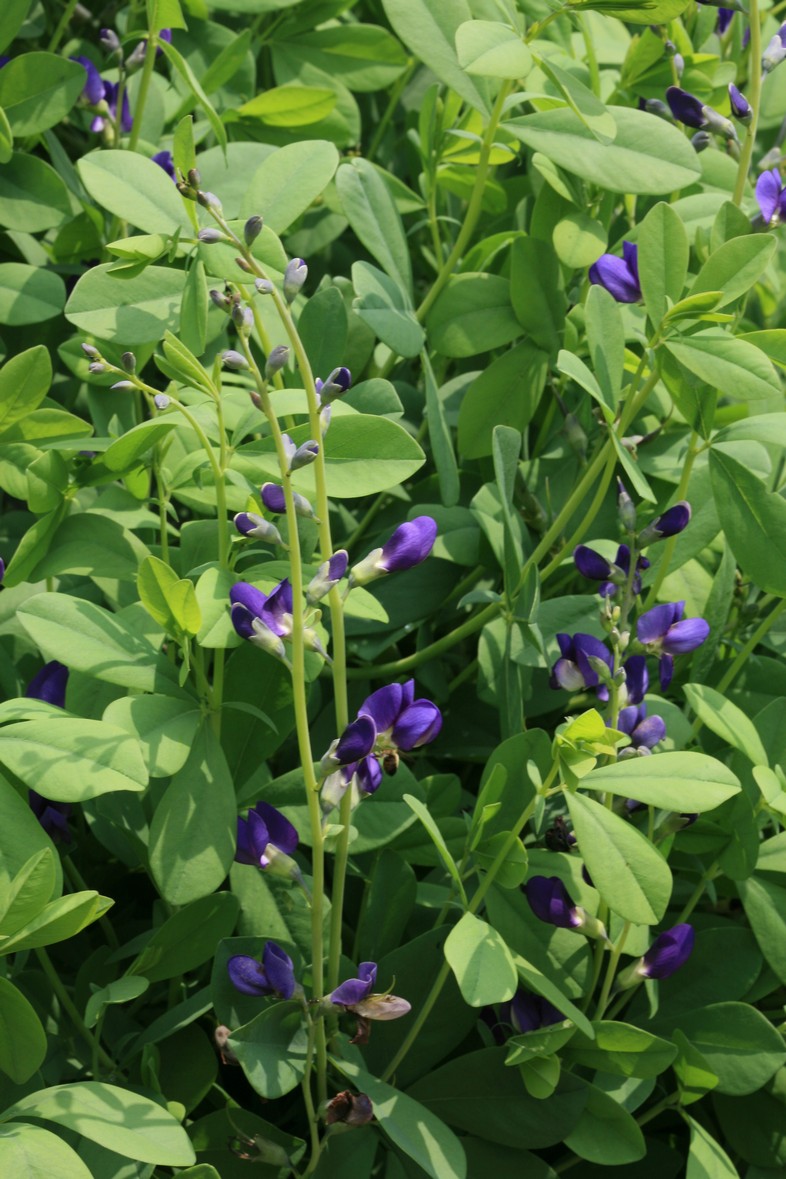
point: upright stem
(668, 547)
(68, 1005)
(62, 25)
(754, 98)
(144, 89)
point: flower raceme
(620, 276)
(274, 975)
(388, 720)
(410, 544)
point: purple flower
(356, 995)
(93, 90)
(771, 196)
(110, 98)
(691, 111)
(300, 456)
(401, 720)
(670, 523)
(364, 776)
(355, 743)
(351, 1109)
(620, 276)
(663, 632)
(776, 50)
(49, 684)
(264, 836)
(668, 952)
(573, 670)
(335, 385)
(594, 567)
(274, 500)
(740, 107)
(165, 161)
(410, 544)
(53, 816)
(329, 574)
(526, 1012)
(249, 524)
(274, 975)
(644, 731)
(550, 901)
(637, 679)
(263, 619)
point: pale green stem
(611, 970)
(144, 89)
(62, 25)
(668, 547)
(68, 1005)
(754, 98)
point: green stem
(444, 970)
(754, 98)
(308, 1101)
(611, 970)
(144, 89)
(473, 208)
(68, 1005)
(62, 25)
(668, 548)
(382, 126)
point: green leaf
(663, 259)
(694, 1076)
(165, 728)
(192, 82)
(289, 106)
(388, 907)
(125, 452)
(440, 438)
(118, 1119)
(648, 155)
(606, 1133)
(32, 195)
(127, 311)
(730, 365)
(754, 520)
(739, 1044)
(707, 1159)
(476, 1093)
(168, 599)
(22, 1038)
(366, 455)
(188, 938)
(29, 294)
(37, 90)
(383, 305)
(192, 836)
(438, 840)
(536, 293)
(373, 216)
(90, 545)
(473, 314)
(57, 921)
(28, 892)
(579, 240)
(482, 963)
(122, 990)
(507, 393)
(489, 49)
(644, 13)
(765, 908)
(135, 190)
(735, 266)
(289, 181)
(24, 383)
(409, 1126)
(535, 980)
(100, 757)
(364, 56)
(14, 15)
(681, 782)
(35, 1153)
(22, 838)
(629, 873)
(428, 28)
(272, 1049)
(606, 341)
(596, 117)
(727, 721)
(621, 1048)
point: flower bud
(208, 200)
(221, 300)
(242, 318)
(626, 508)
(325, 414)
(110, 41)
(234, 360)
(775, 52)
(194, 177)
(350, 1109)
(276, 361)
(670, 523)
(210, 235)
(252, 229)
(329, 574)
(128, 360)
(91, 352)
(246, 266)
(304, 455)
(295, 275)
(96, 367)
(249, 524)
(740, 107)
(264, 286)
(274, 500)
(701, 140)
(122, 386)
(220, 1037)
(161, 401)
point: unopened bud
(241, 262)
(221, 300)
(351, 1109)
(295, 275)
(277, 360)
(220, 1037)
(264, 286)
(208, 200)
(252, 229)
(110, 41)
(304, 455)
(210, 236)
(128, 361)
(90, 351)
(122, 386)
(626, 508)
(96, 367)
(161, 401)
(234, 360)
(194, 177)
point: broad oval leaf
(483, 965)
(70, 760)
(681, 782)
